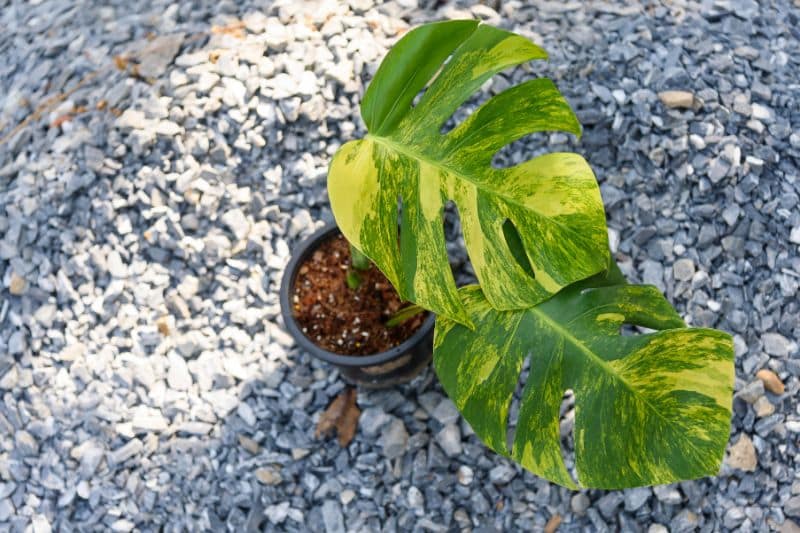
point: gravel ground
(158, 161)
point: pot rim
(299, 254)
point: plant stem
(353, 279)
(404, 314)
(358, 261)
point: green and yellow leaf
(552, 201)
(649, 408)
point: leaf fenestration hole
(418, 97)
(454, 244)
(422, 91)
(631, 330)
(399, 241)
(514, 242)
(467, 108)
(529, 146)
(566, 417)
(516, 402)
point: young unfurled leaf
(552, 202)
(649, 409)
(358, 259)
(404, 314)
(353, 279)
(342, 416)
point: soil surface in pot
(344, 320)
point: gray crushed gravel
(149, 203)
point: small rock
(789, 526)
(465, 475)
(677, 99)
(90, 456)
(771, 381)
(449, 440)
(416, 500)
(775, 344)
(445, 412)
(115, 265)
(126, 451)
(752, 391)
(653, 274)
(40, 524)
(733, 517)
(17, 284)
(249, 444)
(132, 119)
(234, 92)
(194, 428)
(668, 494)
(167, 128)
(332, 517)
(164, 325)
(346, 496)
(697, 141)
(792, 507)
(763, 407)
(188, 345)
(6, 509)
(657, 528)
(761, 112)
(158, 54)
(277, 513)
(394, 439)
(17, 343)
(579, 503)
(246, 413)
(299, 223)
(608, 504)
(228, 64)
(717, 170)
(741, 104)
(178, 376)
(146, 419)
(684, 522)
(372, 420)
(501, 474)
(794, 235)
(268, 476)
(122, 525)
(635, 498)
(223, 401)
(683, 269)
(765, 425)
(731, 214)
(236, 221)
(742, 455)
(26, 443)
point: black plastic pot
(398, 365)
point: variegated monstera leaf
(530, 230)
(649, 408)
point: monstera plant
(649, 407)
